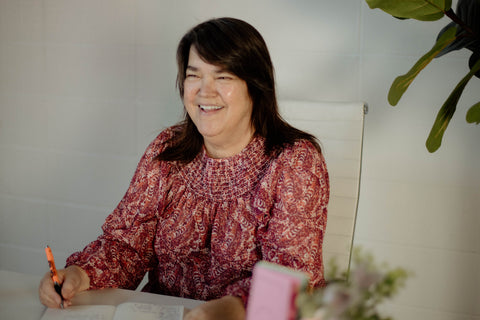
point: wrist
(82, 276)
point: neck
(220, 150)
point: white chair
(339, 128)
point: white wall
(85, 85)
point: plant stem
(451, 14)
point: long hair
(239, 48)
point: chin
(208, 135)
(208, 132)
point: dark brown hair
(239, 48)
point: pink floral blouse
(198, 229)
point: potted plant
(367, 286)
(463, 32)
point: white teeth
(207, 108)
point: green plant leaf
(473, 114)
(468, 11)
(424, 10)
(468, 35)
(401, 83)
(462, 40)
(446, 112)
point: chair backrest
(339, 128)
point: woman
(229, 186)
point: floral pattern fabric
(199, 228)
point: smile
(209, 108)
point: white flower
(320, 314)
(338, 298)
(363, 278)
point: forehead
(197, 62)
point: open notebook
(124, 311)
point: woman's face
(219, 104)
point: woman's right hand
(73, 279)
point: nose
(207, 87)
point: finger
(47, 294)
(67, 303)
(61, 275)
(69, 289)
(195, 314)
(71, 283)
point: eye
(191, 76)
(225, 77)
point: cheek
(188, 103)
(236, 93)
(188, 91)
(228, 92)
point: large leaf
(462, 40)
(401, 83)
(468, 11)
(473, 59)
(445, 114)
(473, 114)
(424, 10)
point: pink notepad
(273, 292)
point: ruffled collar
(224, 179)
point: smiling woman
(219, 105)
(230, 185)
(236, 49)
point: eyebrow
(217, 71)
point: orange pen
(53, 273)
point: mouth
(209, 108)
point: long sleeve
(294, 234)
(122, 255)
(201, 227)
(290, 210)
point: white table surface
(19, 297)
